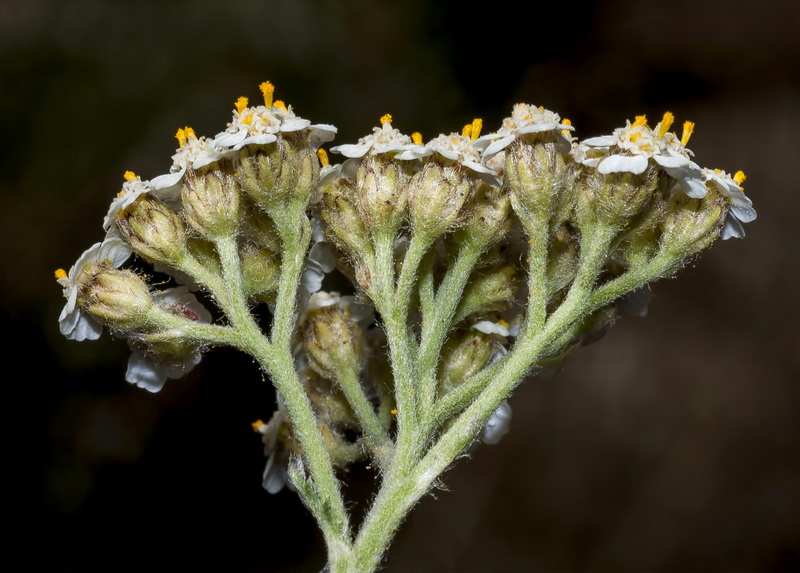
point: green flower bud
(492, 290)
(436, 197)
(332, 338)
(278, 172)
(615, 198)
(488, 219)
(211, 203)
(153, 230)
(381, 184)
(346, 225)
(262, 228)
(260, 270)
(541, 181)
(691, 225)
(117, 298)
(464, 355)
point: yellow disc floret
(688, 130)
(61, 274)
(323, 157)
(181, 137)
(386, 118)
(279, 104)
(665, 124)
(640, 120)
(241, 103)
(267, 89)
(128, 175)
(257, 425)
(477, 125)
(416, 137)
(739, 177)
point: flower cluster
(447, 252)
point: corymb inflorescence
(397, 298)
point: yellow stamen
(189, 132)
(466, 131)
(279, 103)
(61, 274)
(128, 175)
(257, 424)
(503, 323)
(416, 137)
(477, 125)
(323, 157)
(635, 136)
(666, 123)
(688, 130)
(267, 89)
(248, 119)
(387, 118)
(241, 103)
(181, 137)
(640, 120)
(393, 411)
(565, 121)
(739, 177)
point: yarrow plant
(462, 265)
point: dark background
(672, 445)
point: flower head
(461, 149)
(526, 120)
(383, 139)
(741, 207)
(73, 322)
(151, 364)
(630, 148)
(263, 124)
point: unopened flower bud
(153, 230)
(211, 203)
(491, 290)
(381, 184)
(464, 355)
(488, 219)
(332, 338)
(260, 270)
(117, 298)
(262, 228)
(344, 222)
(691, 225)
(436, 197)
(285, 170)
(541, 181)
(615, 198)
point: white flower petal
(275, 476)
(145, 372)
(635, 164)
(732, 228)
(260, 139)
(229, 139)
(498, 425)
(167, 180)
(352, 150)
(600, 141)
(489, 327)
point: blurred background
(671, 445)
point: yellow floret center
(323, 157)
(248, 119)
(257, 424)
(688, 130)
(503, 323)
(739, 177)
(565, 121)
(386, 118)
(641, 120)
(267, 89)
(665, 124)
(129, 175)
(416, 137)
(181, 137)
(61, 274)
(279, 104)
(241, 103)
